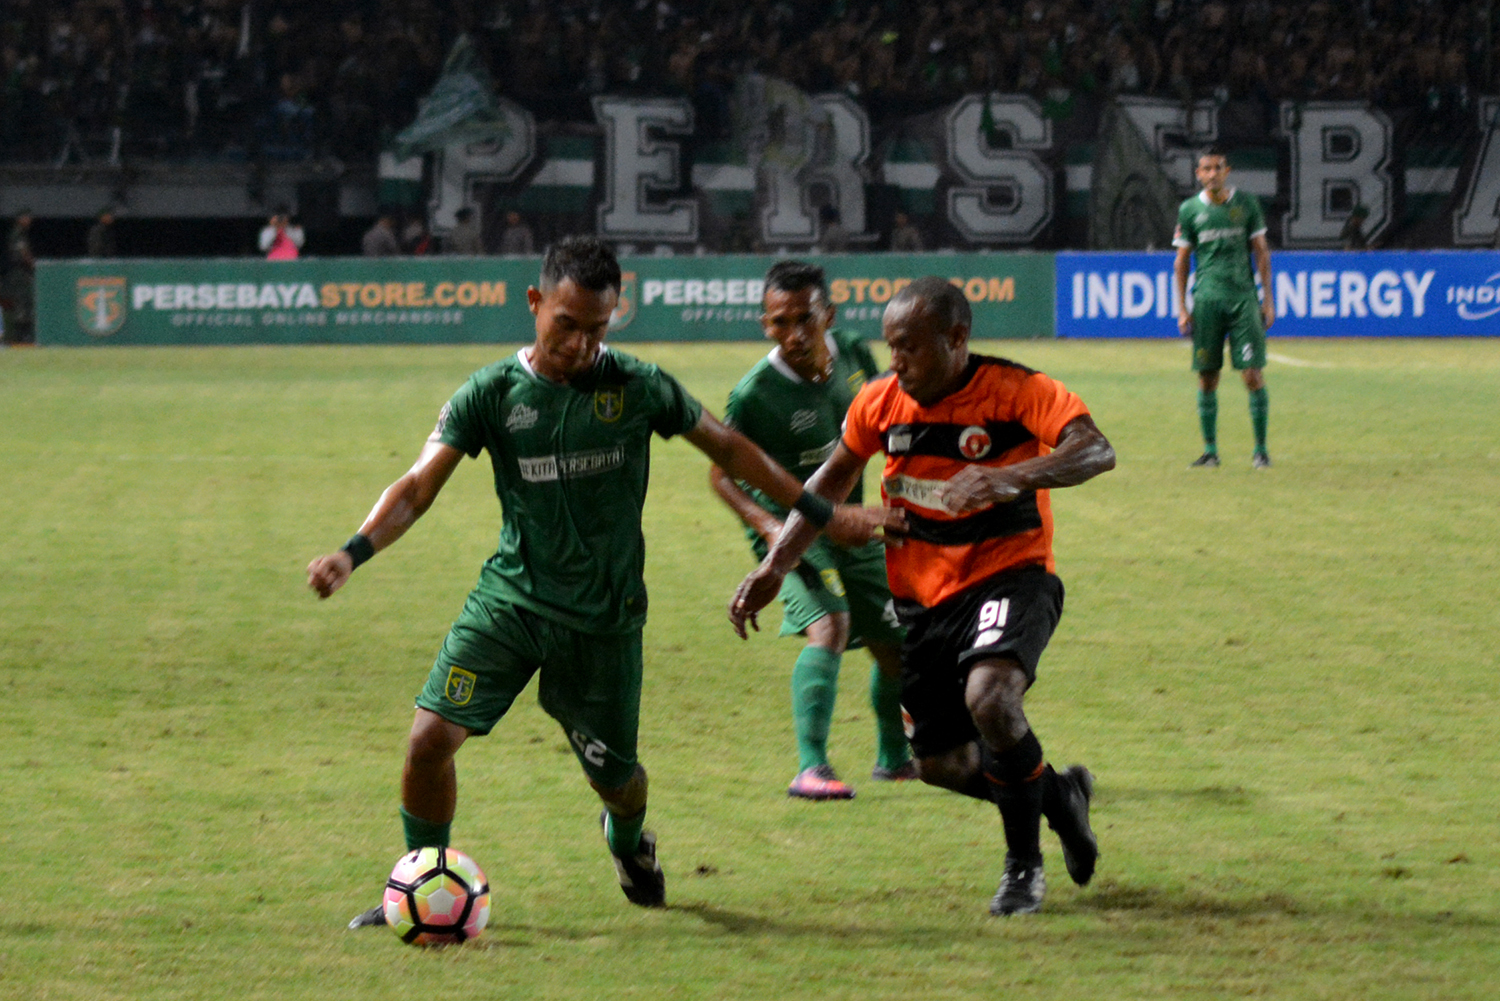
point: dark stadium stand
(92, 80)
(243, 103)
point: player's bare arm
(742, 459)
(1082, 453)
(833, 481)
(1180, 269)
(398, 508)
(765, 524)
(1262, 251)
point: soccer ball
(436, 896)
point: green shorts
(590, 684)
(1238, 319)
(832, 579)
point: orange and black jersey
(1005, 413)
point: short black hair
(794, 276)
(942, 297)
(587, 260)
(1215, 150)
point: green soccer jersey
(799, 423)
(1219, 236)
(571, 464)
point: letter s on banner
(1019, 173)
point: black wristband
(360, 549)
(818, 510)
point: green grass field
(1284, 681)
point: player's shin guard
(885, 699)
(1208, 418)
(423, 833)
(814, 688)
(1260, 413)
(1015, 784)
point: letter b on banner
(1340, 158)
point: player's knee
(831, 632)
(887, 658)
(433, 740)
(995, 696)
(947, 771)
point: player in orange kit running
(972, 445)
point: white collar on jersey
(780, 364)
(1203, 197)
(525, 356)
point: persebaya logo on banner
(101, 305)
(625, 309)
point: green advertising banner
(466, 300)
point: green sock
(1260, 410)
(885, 699)
(1208, 418)
(624, 833)
(423, 833)
(814, 688)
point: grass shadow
(1224, 796)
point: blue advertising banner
(1318, 294)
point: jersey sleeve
(746, 413)
(734, 410)
(866, 360)
(1255, 217)
(460, 423)
(674, 410)
(1186, 234)
(1045, 406)
(861, 430)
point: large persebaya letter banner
(480, 300)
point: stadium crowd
(280, 79)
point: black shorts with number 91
(1011, 614)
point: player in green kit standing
(1222, 227)
(792, 404)
(568, 426)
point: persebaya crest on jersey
(609, 403)
(460, 687)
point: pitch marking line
(1298, 362)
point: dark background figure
(517, 237)
(380, 239)
(101, 239)
(465, 238)
(1352, 236)
(835, 239)
(416, 238)
(905, 238)
(18, 290)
